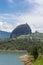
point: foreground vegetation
(25, 42)
(39, 61)
(20, 44)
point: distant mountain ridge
(4, 34)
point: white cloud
(36, 1)
(34, 20)
(38, 9)
(6, 26)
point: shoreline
(26, 59)
(13, 51)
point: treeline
(20, 44)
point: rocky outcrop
(26, 60)
(21, 30)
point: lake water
(7, 58)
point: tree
(35, 52)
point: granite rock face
(21, 30)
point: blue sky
(15, 6)
(16, 12)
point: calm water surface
(7, 58)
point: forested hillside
(20, 44)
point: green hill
(23, 42)
(35, 36)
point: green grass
(39, 61)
